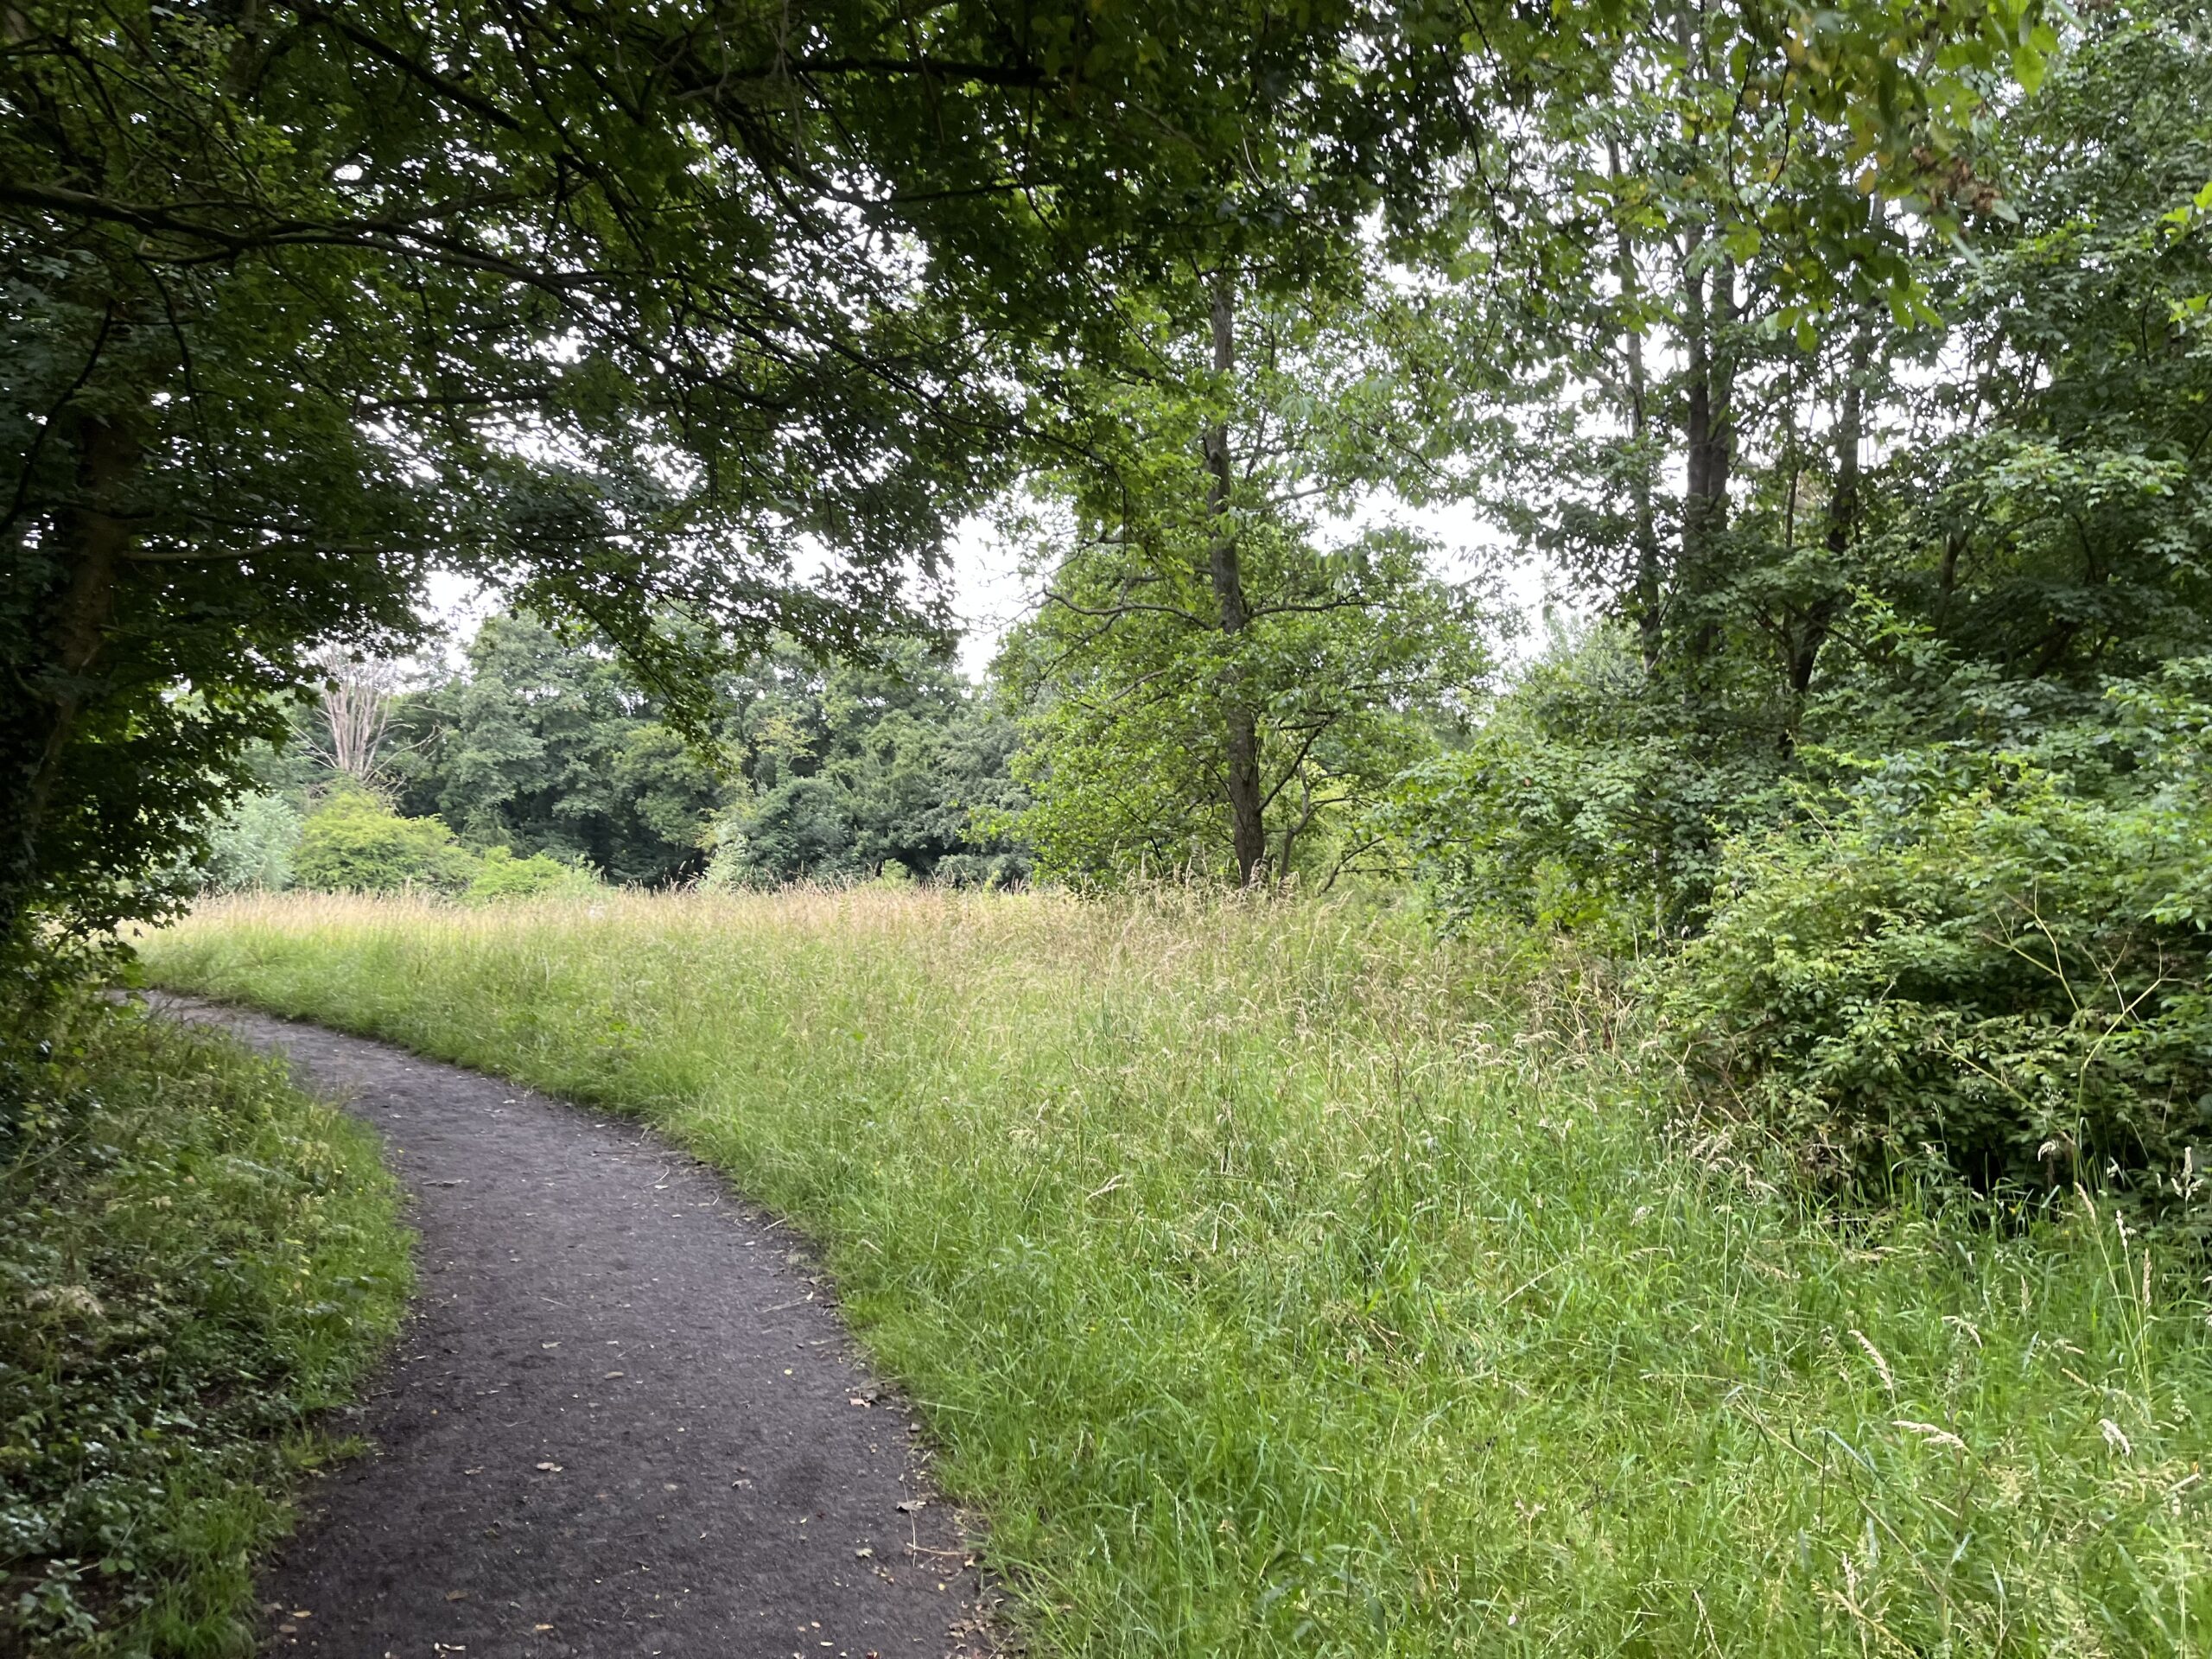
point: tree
(1897, 728)
(850, 770)
(1211, 681)
(2047, 513)
(356, 716)
(545, 744)
(1733, 278)
(625, 305)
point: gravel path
(623, 1419)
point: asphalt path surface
(623, 1419)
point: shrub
(356, 843)
(251, 846)
(194, 1259)
(500, 874)
(1988, 965)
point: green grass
(195, 1258)
(1280, 1280)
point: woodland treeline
(1853, 366)
(541, 751)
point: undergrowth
(195, 1258)
(1281, 1280)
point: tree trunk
(1709, 438)
(1240, 735)
(1843, 513)
(92, 543)
(1650, 594)
(1709, 314)
(1842, 516)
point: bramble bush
(1992, 965)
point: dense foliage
(194, 1259)
(539, 764)
(851, 770)
(629, 311)
(1993, 963)
(546, 744)
(1885, 604)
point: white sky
(988, 596)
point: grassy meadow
(1279, 1279)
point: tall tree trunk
(1708, 436)
(1842, 517)
(91, 541)
(1844, 509)
(1650, 593)
(1241, 734)
(1709, 313)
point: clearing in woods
(1283, 1279)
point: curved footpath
(622, 1420)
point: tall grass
(1280, 1280)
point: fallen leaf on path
(913, 1505)
(550, 1468)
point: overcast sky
(989, 596)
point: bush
(1988, 965)
(251, 846)
(356, 843)
(500, 874)
(194, 1258)
(1587, 800)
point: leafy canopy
(633, 308)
